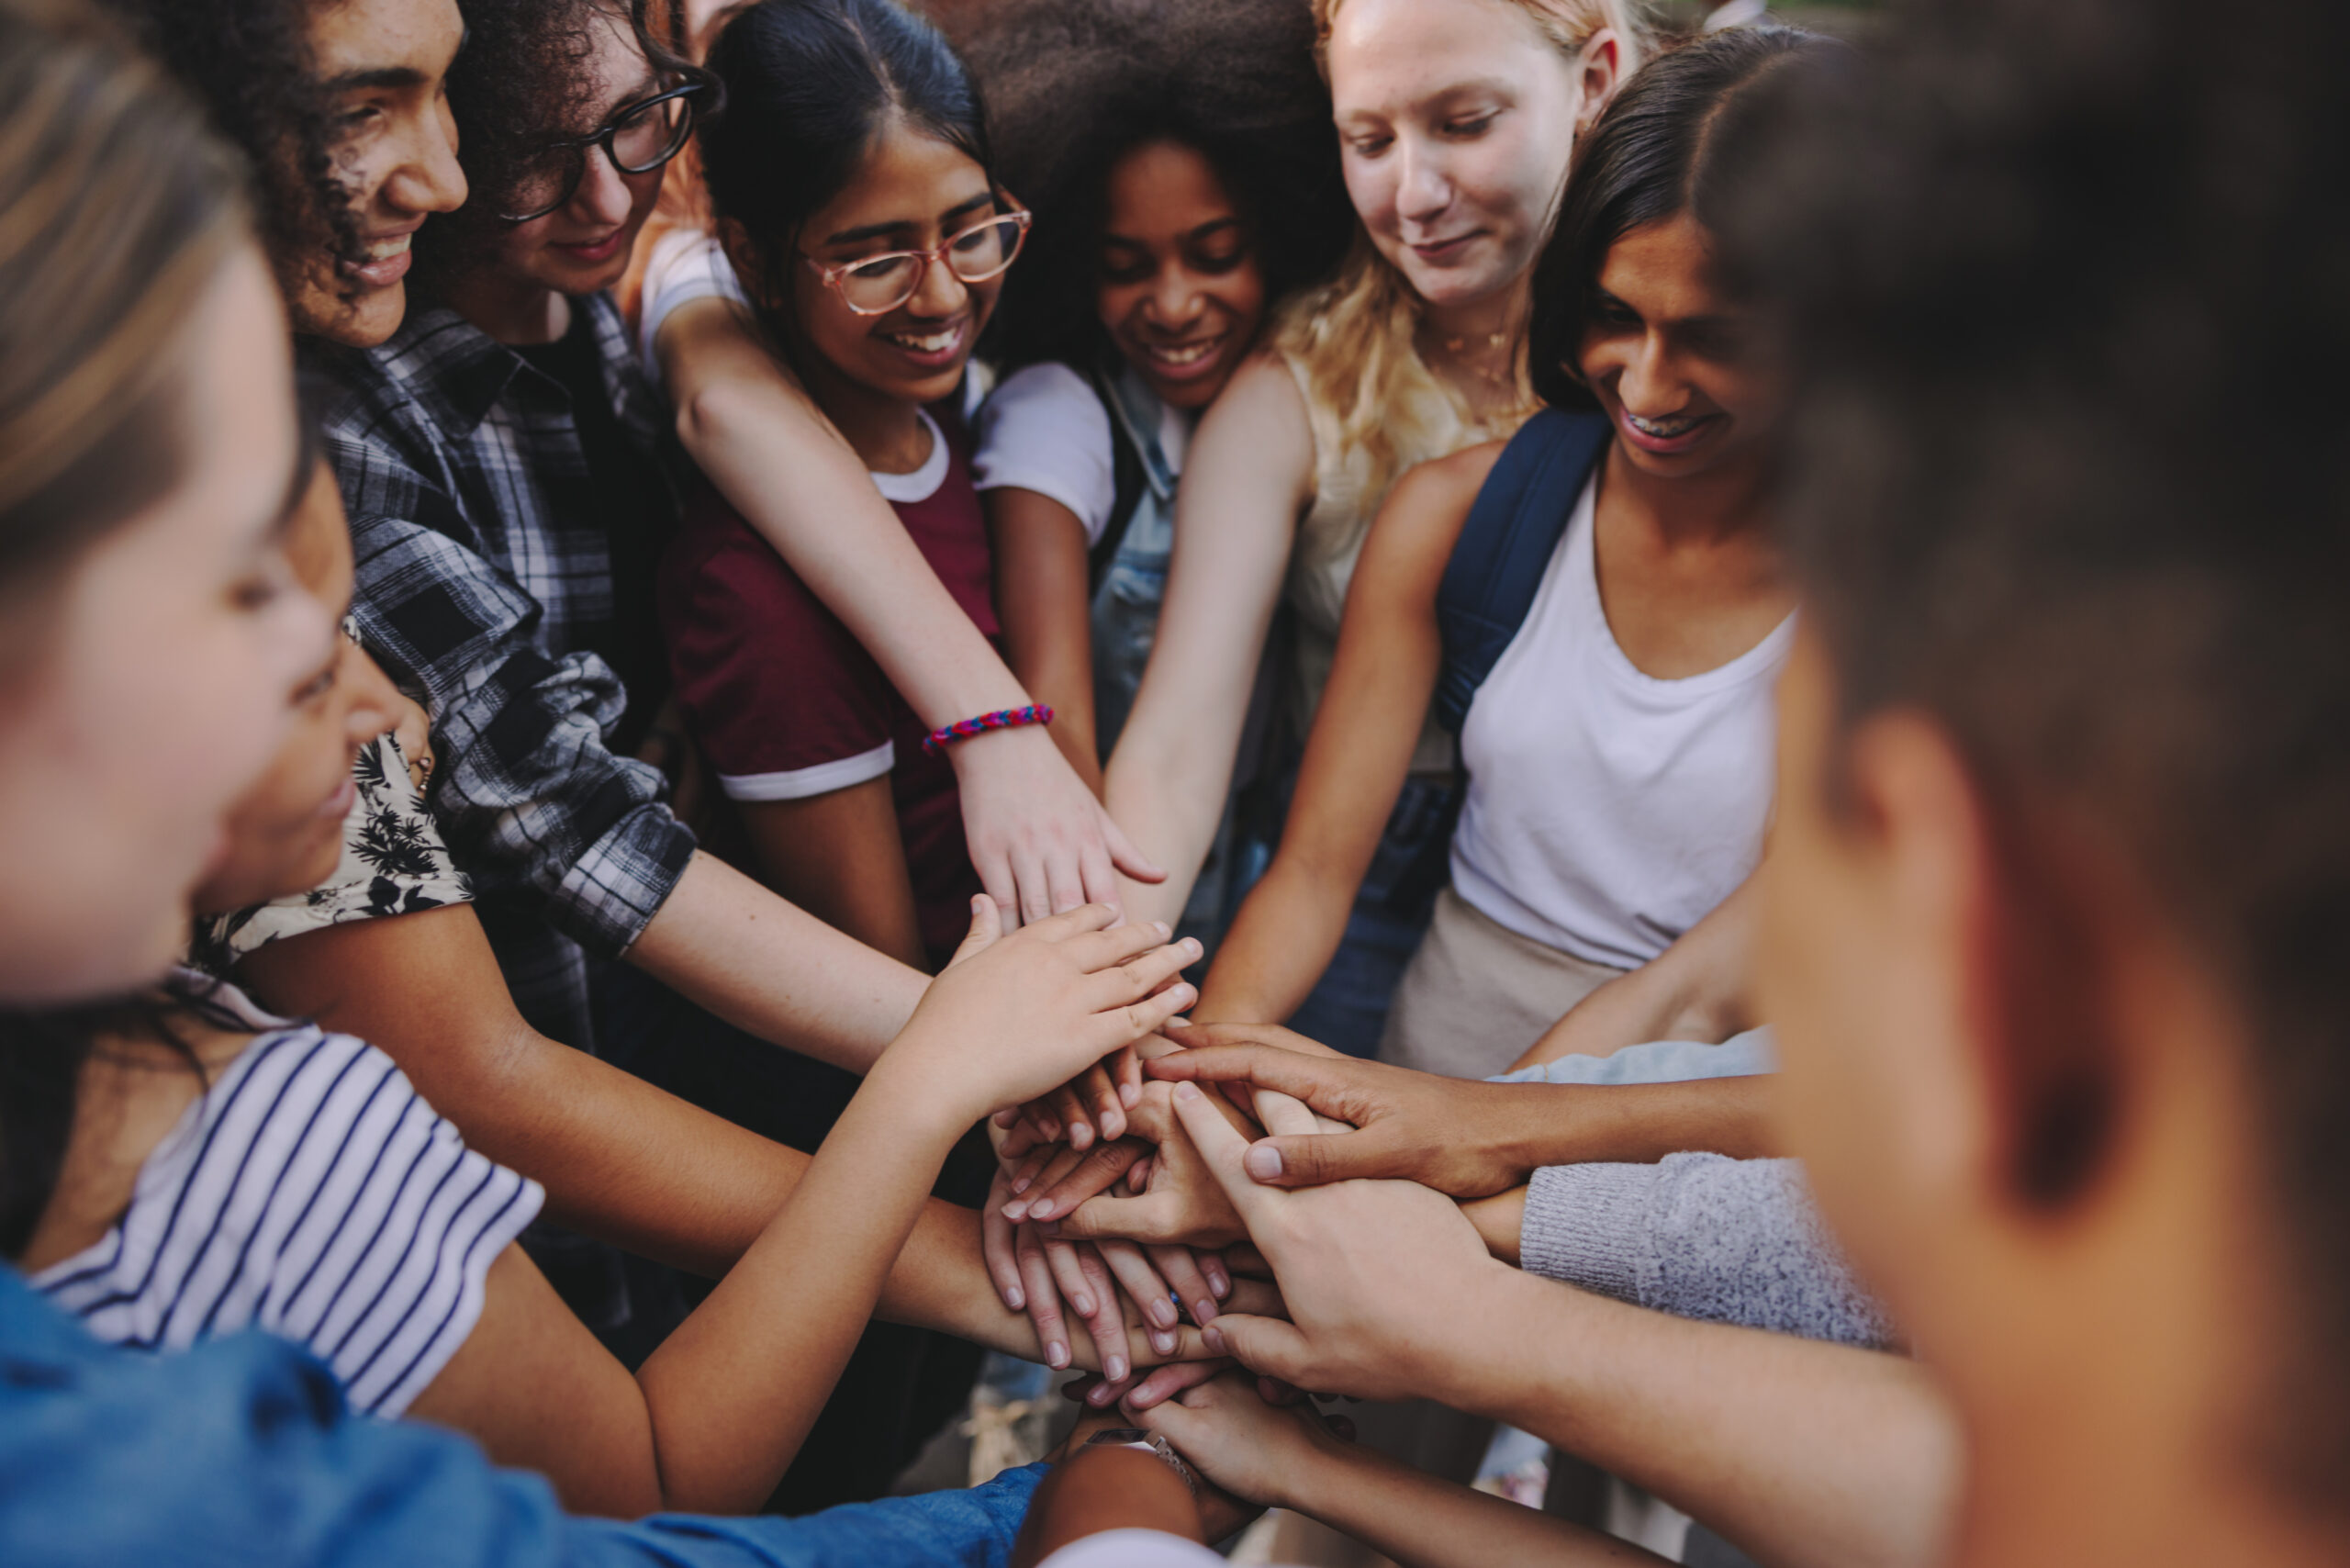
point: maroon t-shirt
(787, 704)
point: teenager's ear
(1599, 70)
(749, 260)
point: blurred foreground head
(2060, 908)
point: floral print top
(393, 863)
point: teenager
(1455, 124)
(1184, 181)
(1618, 736)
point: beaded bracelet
(1001, 719)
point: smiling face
(909, 192)
(386, 66)
(583, 246)
(285, 835)
(157, 689)
(1670, 357)
(1181, 293)
(1455, 121)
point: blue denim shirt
(240, 1451)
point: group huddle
(1554, 724)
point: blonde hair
(1352, 337)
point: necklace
(1485, 354)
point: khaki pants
(1477, 994)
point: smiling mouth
(936, 342)
(385, 250)
(1670, 428)
(1183, 356)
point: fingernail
(1217, 1281)
(1262, 1162)
(1187, 1091)
(1018, 1299)
(1129, 1096)
(1057, 1355)
(1164, 930)
(1084, 1304)
(1100, 1395)
(1022, 1184)
(1163, 1313)
(1014, 1212)
(1081, 1138)
(1040, 1209)
(1213, 1335)
(1192, 945)
(1115, 1367)
(1163, 1343)
(1203, 1313)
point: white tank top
(1607, 810)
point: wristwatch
(1150, 1442)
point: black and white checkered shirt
(484, 586)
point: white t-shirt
(1609, 811)
(1044, 429)
(1132, 1549)
(312, 1193)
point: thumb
(1145, 1219)
(1222, 1146)
(1264, 1345)
(1318, 1159)
(987, 926)
(1125, 857)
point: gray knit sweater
(1700, 1236)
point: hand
(1183, 1202)
(1064, 1114)
(1233, 1437)
(1380, 1279)
(1460, 1136)
(1040, 840)
(1013, 1015)
(412, 733)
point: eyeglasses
(879, 284)
(638, 139)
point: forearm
(1698, 989)
(781, 465)
(1423, 1522)
(1170, 804)
(728, 943)
(1104, 1489)
(1800, 1453)
(1288, 927)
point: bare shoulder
(1424, 512)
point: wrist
(1541, 1124)
(1321, 1476)
(928, 1107)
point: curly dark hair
(1074, 86)
(522, 79)
(250, 62)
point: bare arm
(715, 1415)
(1360, 752)
(1040, 840)
(839, 856)
(619, 1159)
(1698, 989)
(1043, 599)
(1247, 479)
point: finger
(1069, 1276)
(1003, 889)
(1148, 1291)
(1320, 1159)
(1139, 1178)
(987, 926)
(1091, 1174)
(1155, 976)
(1036, 899)
(1000, 1247)
(1285, 1114)
(1101, 1097)
(1165, 1382)
(1101, 878)
(1072, 923)
(1106, 949)
(1273, 1390)
(1224, 1149)
(1022, 1176)
(1266, 1346)
(1125, 857)
(1041, 1170)
(1179, 1266)
(1069, 1111)
(1065, 880)
(1103, 1395)
(1107, 1325)
(1151, 1218)
(1130, 1075)
(1026, 1131)
(1331, 1085)
(1044, 1300)
(1242, 1258)
(1211, 1269)
(1257, 1298)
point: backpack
(1127, 478)
(1513, 529)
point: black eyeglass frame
(603, 135)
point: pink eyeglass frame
(833, 272)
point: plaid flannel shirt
(482, 583)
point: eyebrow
(381, 78)
(881, 231)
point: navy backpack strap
(1497, 564)
(1127, 480)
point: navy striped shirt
(311, 1193)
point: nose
(1649, 384)
(603, 197)
(1175, 301)
(428, 178)
(940, 293)
(374, 701)
(1424, 187)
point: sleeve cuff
(1585, 1225)
(801, 783)
(607, 898)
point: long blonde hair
(1352, 336)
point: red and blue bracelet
(1001, 719)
